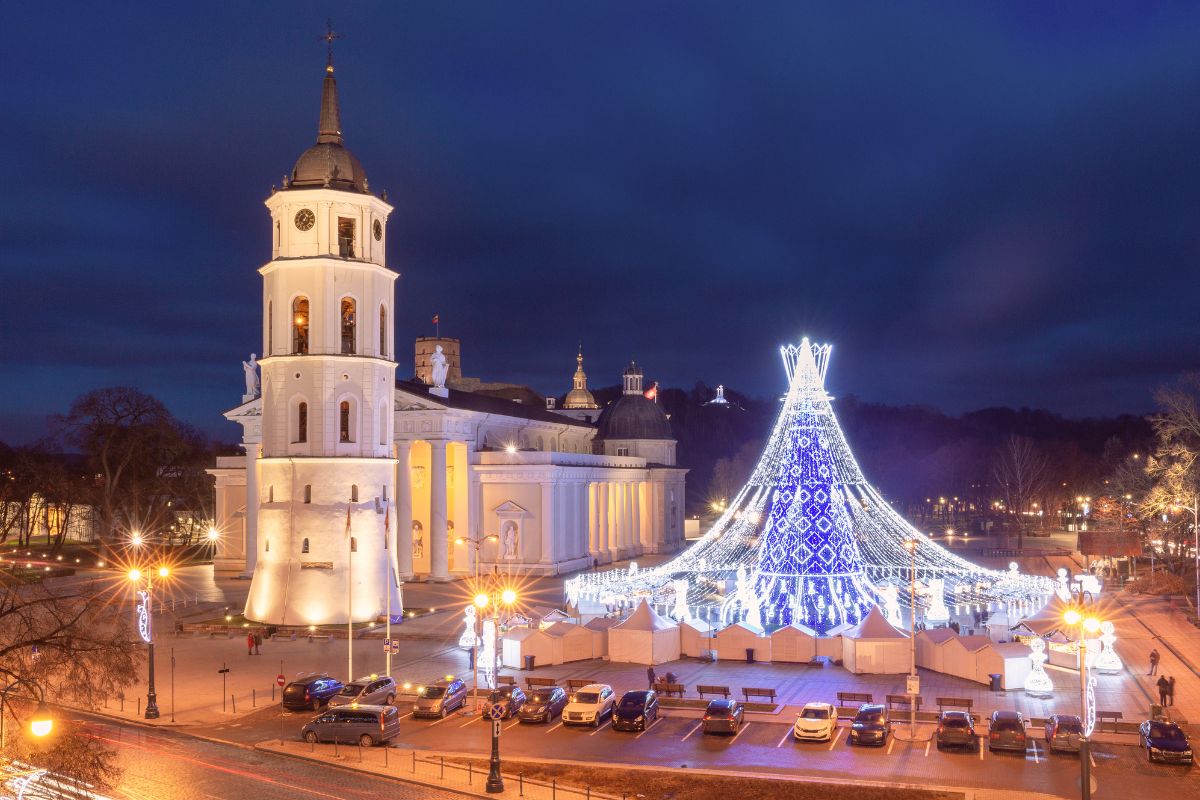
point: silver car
(363, 725)
(372, 690)
(439, 699)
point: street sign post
(913, 685)
(280, 681)
(223, 672)
(495, 781)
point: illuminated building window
(300, 325)
(348, 328)
(304, 546)
(383, 331)
(302, 422)
(354, 493)
(307, 497)
(353, 544)
(344, 422)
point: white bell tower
(326, 475)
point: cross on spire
(328, 37)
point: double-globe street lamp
(1087, 624)
(41, 724)
(477, 543)
(145, 612)
(495, 598)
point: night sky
(976, 205)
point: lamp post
(40, 724)
(911, 546)
(507, 597)
(1087, 700)
(477, 542)
(145, 611)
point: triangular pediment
(250, 408)
(407, 401)
(509, 508)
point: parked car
(439, 699)
(589, 705)
(366, 725)
(543, 704)
(956, 729)
(636, 710)
(1063, 732)
(871, 725)
(512, 698)
(723, 716)
(372, 690)
(1165, 741)
(816, 722)
(310, 692)
(1007, 732)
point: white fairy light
(1038, 683)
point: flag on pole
(652, 392)
(435, 318)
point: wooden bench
(575, 684)
(506, 680)
(532, 682)
(758, 691)
(954, 702)
(847, 699)
(902, 700)
(721, 690)
(669, 689)
(1108, 716)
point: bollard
(254, 698)
(233, 702)
(589, 793)
(554, 789)
(360, 752)
(385, 755)
(312, 747)
(139, 706)
(470, 773)
(442, 773)
(521, 785)
(272, 693)
(122, 704)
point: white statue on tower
(439, 370)
(252, 385)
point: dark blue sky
(977, 205)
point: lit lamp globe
(42, 723)
(213, 534)
(508, 596)
(163, 572)
(135, 575)
(481, 600)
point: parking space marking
(514, 724)
(927, 749)
(1090, 757)
(981, 749)
(406, 716)
(693, 730)
(741, 728)
(891, 744)
(1035, 753)
(786, 736)
(646, 730)
(600, 728)
(556, 727)
(471, 721)
(440, 721)
(836, 737)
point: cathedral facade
(354, 482)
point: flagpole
(349, 597)
(387, 542)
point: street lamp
(41, 724)
(477, 542)
(1087, 697)
(508, 598)
(146, 627)
(913, 682)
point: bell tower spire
(329, 129)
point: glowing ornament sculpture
(891, 605)
(1107, 661)
(816, 543)
(937, 613)
(468, 638)
(487, 656)
(1038, 683)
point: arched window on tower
(344, 422)
(300, 325)
(383, 331)
(348, 325)
(302, 422)
(354, 493)
(304, 546)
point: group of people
(1165, 683)
(652, 678)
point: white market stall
(1014, 663)
(794, 643)
(732, 642)
(571, 642)
(875, 646)
(521, 642)
(931, 650)
(600, 627)
(644, 637)
(695, 638)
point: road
(163, 765)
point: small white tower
(328, 375)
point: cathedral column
(622, 525)
(250, 543)
(439, 559)
(606, 543)
(635, 514)
(404, 521)
(583, 519)
(593, 513)
(547, 523)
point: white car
(816, 723)
(589, 705)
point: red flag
(652, 392)
(435, 318)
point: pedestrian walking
(1171, 690)
(1164, 686)
(249, 644)
(1154, 657)
(258, 643)
(650, 676)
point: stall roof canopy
(563, 629)
(973, 644)
(602, 623)
(520, 634)
(875, 626)
(938, 635)
(794, 628)
(644, 618)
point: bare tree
(1174, 468)
(1019, 470)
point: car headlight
(1154, 749)
(640, 718)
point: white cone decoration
(937, 613)
(891, 605)
(487, 657)
(1107, 661)
(1038, 684)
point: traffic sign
(280, 680)
(912, 685)
(387, 645)
(497, 711)
(496, 728)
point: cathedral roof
(632, 416)
(579, 396)
(328, 164)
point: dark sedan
(543, 704)
(1007, 732)
(1165, 741)
(955, 729)
(511, 697)
(636, 710)
(723, 716)
(310, 692)
(1063, 732)
(871, 725)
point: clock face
(378, 230)
(305, 219)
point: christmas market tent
(794, 643)
(830, 645)
(695, 638)
(644, 638)
(1016, 666)
(998, 625)
(875, 646)
(600, 627)
(931, 648)
(731, 643)
(971, 658)
(521, 642)
(572, 642)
